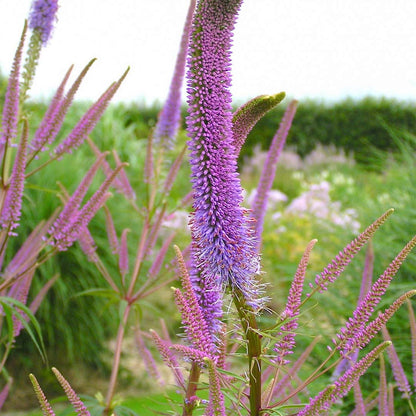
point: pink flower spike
(383, 392)
(288, 329)
(72, 205)
(216, 398)
(4, 393)
(87, 244)
(398, 371)
(51, 125)
(89, 120)
(11, 101)
(169, 358)
(269, 170)
(77, 404)
(69, 233)
(169, 118)
(344, 257)
(147, 357)
(44, 404)
(111, 231)
(12, 205)
(412, 321)
(123, 181)
(157, 264)
(123, 262)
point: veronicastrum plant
(22, 155)
(222, 298)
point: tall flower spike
(412, 321)
(4, 393)
(194, 320)
(44, 404)
(398, 371)
(323, 401)
(246, 117)
(383, 392)
(89, 120)
(42, 18)
(223, 244)
(362, 313)
(41, 21)
(169, 118)
(72, 396)
(288, 329)
(269, 170)
(46, 126)
(11, 102)
(12, 205)
(216, 398)
(69, 233)
(72, 205)
(344, 257)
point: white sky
(326, 49)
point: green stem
(250, 327)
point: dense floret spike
(359, 401)
(191, 353)
(288, 329)
(269, 170)
(216, 406)
(84, 127)
(123, 255)
(383, 392)
(72, 205)
(355, 325)
(169, 358)
(76, 402)
(10, 114)
(323, 401)
(69, 233)
(42, 18)
(147, 357)
(4, 393)
(370, 330)
(398, 371)
(222, 240)
(12, 205)
(412, 322)
(344, 257)
(195, 323)
(246, 117)
(169, 118)
(46, 127)
(44, 404)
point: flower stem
(116, 361)
(189, 403)
(250, 327)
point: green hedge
(355, 126)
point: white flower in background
(177, 220)
(316, 201)
(275, 198)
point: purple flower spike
(288, 330)
(76, 402)
(398, 371)
(11, 101)
(169, 118)
(42, 18)
(324, 400)
(12, 206)
(224, 247)
(89, 120)
(43, 401)
(269, 170)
